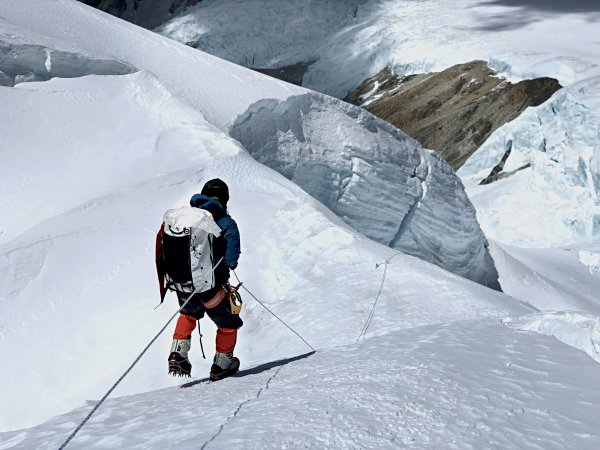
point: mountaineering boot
(224, 365)
(179, 364)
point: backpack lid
(179, 219)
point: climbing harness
(235, 299)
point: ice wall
(379, 180)
(21, 62)
(557, 192)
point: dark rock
(292, 74)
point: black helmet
(218, 189)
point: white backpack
(187, 256)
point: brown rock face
(454, 111)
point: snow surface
(550, 278)
(459, 385)
(352, 40)
(378, 179)
(76, 269)
(578, 330)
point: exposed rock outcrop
(375, 177)
(453, 111)
(145, 13)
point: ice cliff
(551, 173)
(378, 179)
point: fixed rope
(122, 377)
(365, 327)
(274, 315)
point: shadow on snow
(254, 370)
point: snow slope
(207, 83)
(551, 278)
(460, 385)
(353, 40)
(78, 285)
(222, 91)
(77, 277)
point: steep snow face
(353, 40)
(379, 180)
(460, 385)
(557, 192)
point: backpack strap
(159, 266)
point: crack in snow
(238, 409)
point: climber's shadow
(255, 370)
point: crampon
(179, 366)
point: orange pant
(226, 337)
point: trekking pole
(274, 315)
(131, 366)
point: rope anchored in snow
(274, 315)
(363, 332)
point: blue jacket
(226, 246)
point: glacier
(352, 40)
(558, 192)
(108, 155)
